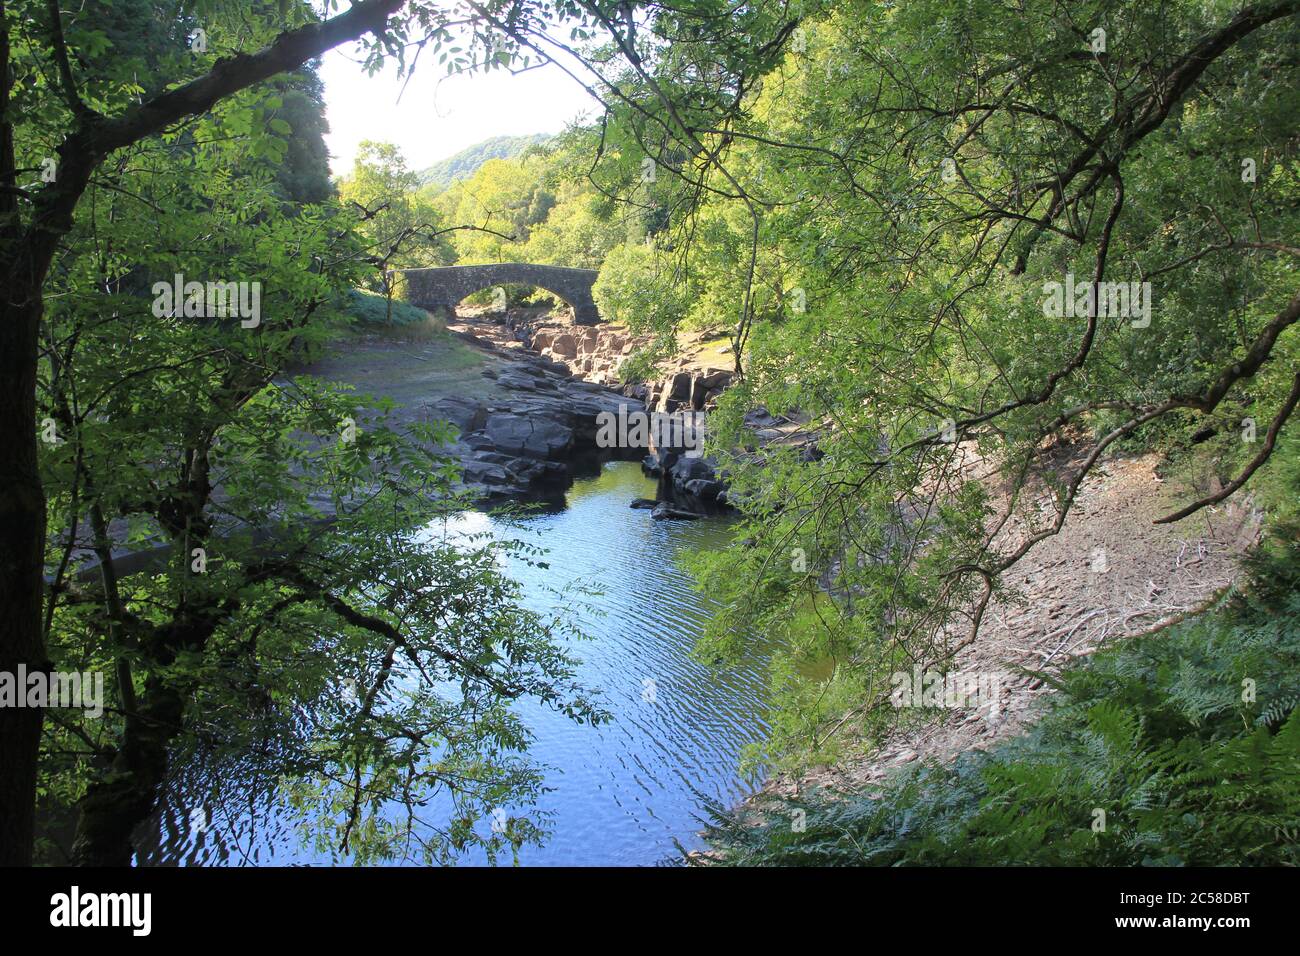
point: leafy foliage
(260, 562)
(896, 183)
(634, 288)
(874, 197)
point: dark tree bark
(22, 546)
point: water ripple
(623, 793)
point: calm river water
(621, 793)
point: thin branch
(1233, 486)
(67, 83)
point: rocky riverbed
(528, 422)
(575, 356)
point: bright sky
(438, 115)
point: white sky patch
(438, 115)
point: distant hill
(463, 164)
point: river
(624, 793)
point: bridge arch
(444, 287)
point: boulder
(532, 472)
(676, 392)
(715, 378)
(465, 413)
(698, 393)
(564, 345)
(703, 488)
(485, 473)
(688, 469)
(680, 386)
(664, 511)
(521, 380)
(529, 436)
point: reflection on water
(623, 792)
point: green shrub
(634, 289)
(367, 308)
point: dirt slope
(1109, 574)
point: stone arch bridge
(442, 288)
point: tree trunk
(22, 584)
(121, 800)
